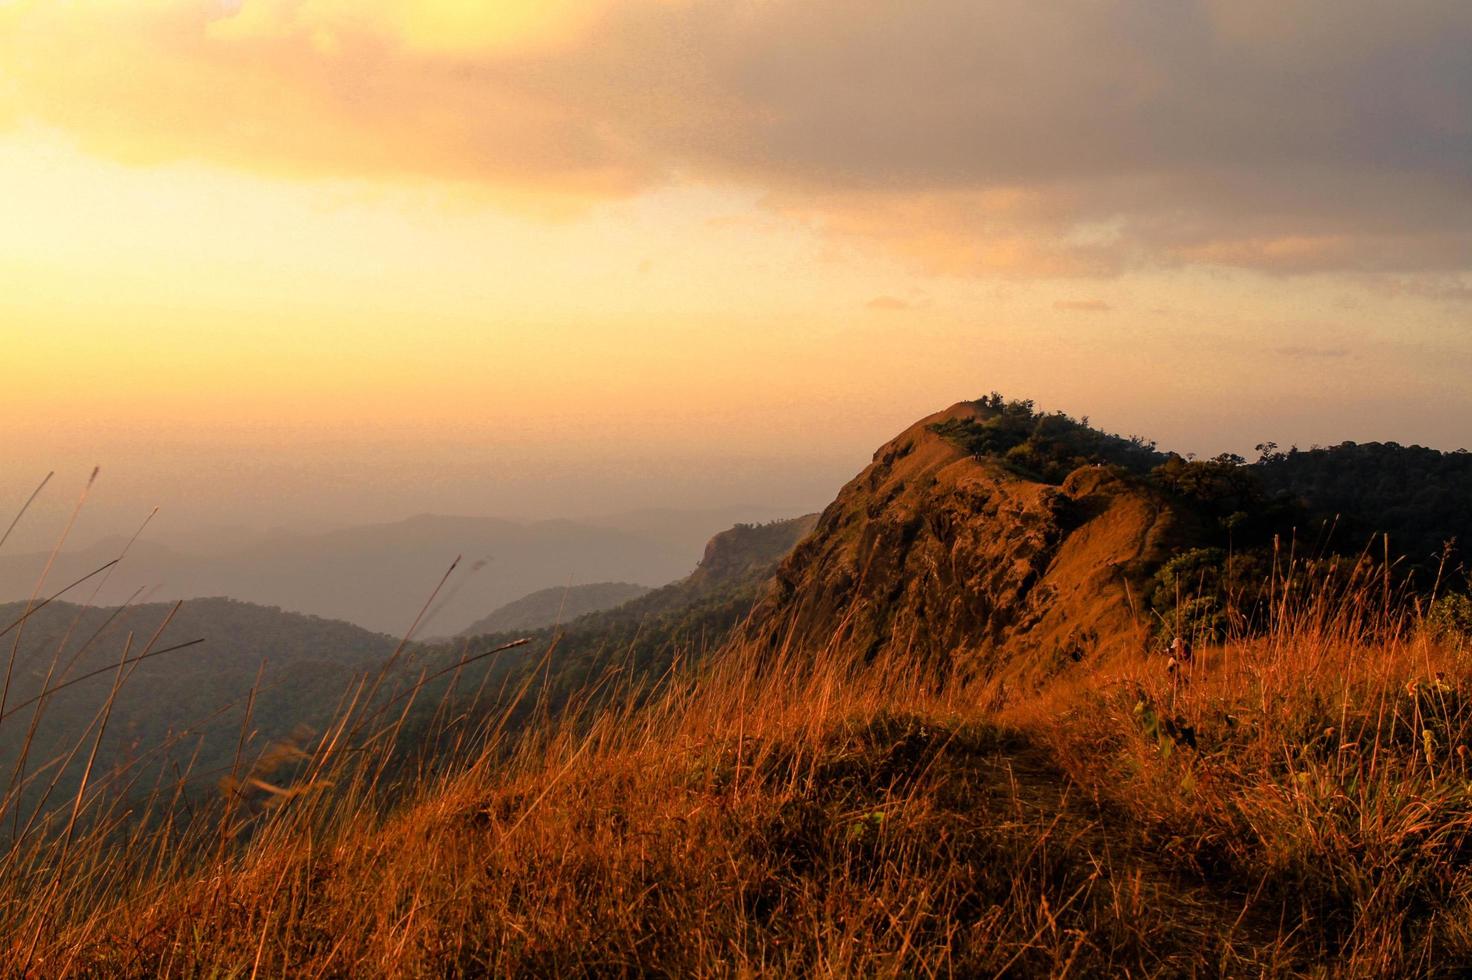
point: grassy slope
(1293, 802)
(1288, 804)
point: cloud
(304, 88)
(889, 303)
(1008, 138)
(1086, 139)
(1082, 305)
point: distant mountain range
(185, 707)
(176, 706)
(546, 607)
(379, 576)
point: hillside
(546, 607)
(183, 705)
(859, 817)
(944, 554)
(1020, 544)
(183, 711)
(928, 732)
(644, 637)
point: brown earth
(938, 554)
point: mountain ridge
(378, 575)
(558, 604)
(941, 554)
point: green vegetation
(1041, 445)
(1450, 618)
(1418, 496)
(179, 711)
(266, 684)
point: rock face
(933, 553)
(749, 551)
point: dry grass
(1319, 773)
(1293, 803)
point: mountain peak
(939, 552)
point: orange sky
(309, 260)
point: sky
(315, 262)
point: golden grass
(1295, 802)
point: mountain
(186, 707)
(176, 706)
(686, 620)
(546, 607)
(688, 529)
(1018, 544)
(924, 732)
(941, 553)
(378, 576)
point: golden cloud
(1008, 138)
(313, 88)
(420, 27)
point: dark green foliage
(178, 706)
(1222, 484)
(1042, 445)
(180, 715)
(1450, 617)
(1234, 509)
(1421, 497)
(1189, 595)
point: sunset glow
(743, 238)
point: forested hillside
(1419, 496)
(559, 604)
(183, 707)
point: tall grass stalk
(1294, 799)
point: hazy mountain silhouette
(378, 576)
(188, 703)
(555, 605)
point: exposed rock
(936, 553)
(749, 551)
